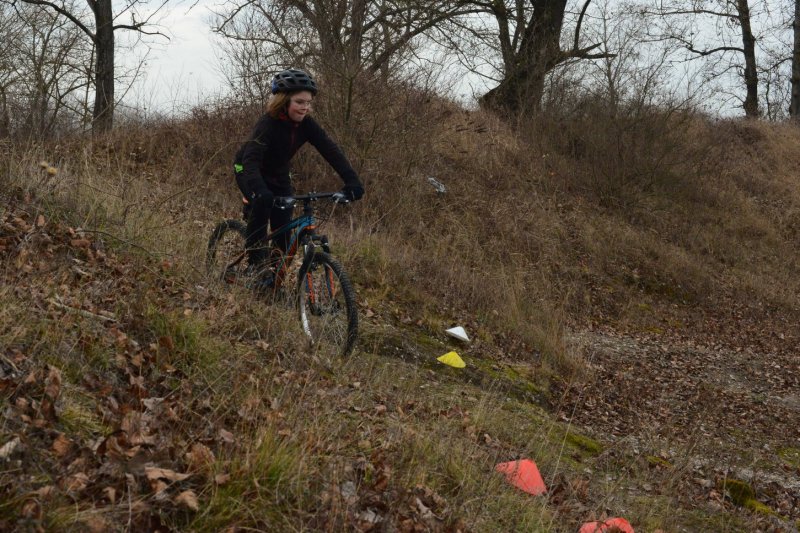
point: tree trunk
(103, 114)
(794, 105)
(522, 87)
(5, 117)
(750, 72)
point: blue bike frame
(300, 227)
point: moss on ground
(656, 461)
(758, 507)
(790, 456)
(588, 446)
(739, 491)
(743, 495)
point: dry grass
(576, 220)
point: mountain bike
(320, 289)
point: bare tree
(528, 39)
(10, 33)
(45, 67)
(794, 104)
(342, 39)
(100, 27)
(729, 35)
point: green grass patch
(79, 414)
(183, 340)
(269, 481)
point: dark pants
(259, 213)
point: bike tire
(225, 252)
(326, 304)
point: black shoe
(264, 282)
(261, 278)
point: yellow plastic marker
(452, 359)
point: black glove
(259, 193)
(353, 191)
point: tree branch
(138, 27)
(583, 53)
(411, 33)
(578, 25)
(60, 10)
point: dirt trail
(713, 409)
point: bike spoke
(326, 315)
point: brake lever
(340, 198)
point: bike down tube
(302, 224)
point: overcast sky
(182, 71)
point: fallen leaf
(159, 486)
(154, 472)
(370, 517)
(111, 494)
(62, 445)
(221, 479)
(53, 383)
(348, 492)
(76, 482)
(424, 511)
(96, 524)
(199, 457)
(187, 499)
(226, 436)
(167, 343)
(8, 448)
(150, 403)
(46, 492)
(31, 509)
(134, 424)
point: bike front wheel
(326, 303)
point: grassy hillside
(141, 395)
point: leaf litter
(646, 390)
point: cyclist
(262, 166)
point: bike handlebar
(287, 202)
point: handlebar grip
(282, 202)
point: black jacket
(274, 142)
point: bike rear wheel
(225, 256)
(326, 304)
